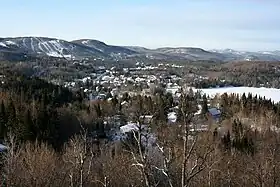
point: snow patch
(10, 43)
(267, 53)
(129, 127)
(172, 117)
(85, 42)
(148, 139)
(56, 45)
(54, 54)
(2, 44)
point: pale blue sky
(210, 24)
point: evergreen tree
(28, 124)
(226, 140)
(204, 106)
(162, 109)
(139, 105)
(115, 102)
(169, 100)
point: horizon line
(140, 46)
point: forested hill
(31, 108)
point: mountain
(114, 51)
(192, 53)
(41, 46)
(21, 48)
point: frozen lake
(268, 93)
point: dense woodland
(58, 138)
(253, 74)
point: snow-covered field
(268, 93)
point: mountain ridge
(91, 48)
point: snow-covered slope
(49, 47)
(268, 93)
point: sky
(210, 24)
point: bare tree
(79, 158)
(192, 162)
(140, 155)
(30, 164)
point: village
(105, 84)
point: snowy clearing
(268, 93)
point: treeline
(253, 74)
(249, 105)
(214, 83)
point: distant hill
(21, 48)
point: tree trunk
(185, 152)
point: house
(214, 113)
(148, 139)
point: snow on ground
(54, 54)
(124, 102)
(85, 42)
(2, 44)
(56, 45)
(10, 43)
(147, 116)
(172, 90)
(199, 110)
(31, 43)
(172, 117)
(268, 93)
(68, 56)
(129, 127)
(148, 138)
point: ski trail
(32, 45)
(60, 46)
(56, 45)
(24, 43)
(43, 45)
(40, 45)
(50, 47)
